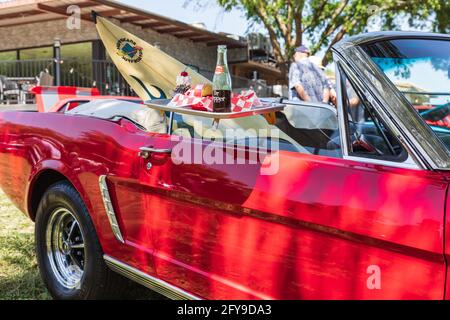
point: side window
(310, 129)
(367, 135)
(253, 132)
(313, 126)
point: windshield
(420, 69)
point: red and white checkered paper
(192, 98)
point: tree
(442, 23)
(324, 23)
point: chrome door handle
(145, 151)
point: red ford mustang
(345, 204)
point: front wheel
(68, 251)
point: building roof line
(20, 12)
(169, 21)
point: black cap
(302, 49)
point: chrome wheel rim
(65, 248)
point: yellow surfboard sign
(148, 70)
(152, 75)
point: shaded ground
(19, 275)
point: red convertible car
(356, 206)
(71, 103)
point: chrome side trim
(109, 208)
(376, 36)
(340, 110)
(155, 284)
(407, 164)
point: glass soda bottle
(222, 83)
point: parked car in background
(357, 209)
(68, 104)
(64, 98)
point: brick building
(28, 29)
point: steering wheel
(360, 141)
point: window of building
(77, 69)
(8, 66)
(8, 55)
(82, 51)
(36, 53)
(34, 61)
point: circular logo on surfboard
(129, 51)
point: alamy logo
(74, 20)
(374, 280)
(232, 146)
(129, 50)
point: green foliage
(324, 23)
(442, 23)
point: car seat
(150, 119)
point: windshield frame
(420, 139)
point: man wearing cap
(307, 82)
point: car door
(319, 228)
(132, 196)
(364, 226)
(316, 228)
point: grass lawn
(19, 274)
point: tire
(68, 252)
